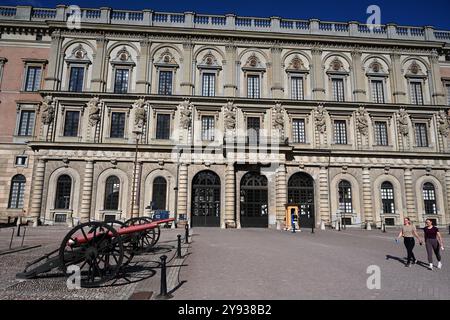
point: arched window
(387, 197)
(159, 193)
(345, 197)
(17, 192)
(112, 192)
(63, 192)
(429, 198)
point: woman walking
(433, 242)
(408, 233)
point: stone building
(223, 120)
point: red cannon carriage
(99, 249)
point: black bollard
(179, 246)
(23, 236)
(163, 293)
(186, 236)
(18, 230)
(339, 226)
(384, 227)
(449, 229)
(12, 236)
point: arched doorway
(301, 192)
(205, 206)
(254, 201)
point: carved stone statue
(185, 109)
(94, 111)
(443, 124)
(140, 114)
(278, 118)
(403, 122)
(229, 116)
(47, 110)
(362, 124)
(320, 118)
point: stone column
(182, 191)
(359, 91)
(230, 86)
(324, 195)
(187, 86)
(318, 85)
(98, 82)
(36, 191)
(86, 194)
(367, 196)
(446, 215)
(397, 79)
(437, 93)
(52, 81)
(411, 210)
(142, 82)
(281, 193)
(277, 85)
(230, 196)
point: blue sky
(403, 12)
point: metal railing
(226, 22)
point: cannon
(99, 249)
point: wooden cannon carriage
(99, 249)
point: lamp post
(135, 198)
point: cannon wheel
(99, 257)
(128, 246)
(147, 238)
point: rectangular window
(33, 78)
(208, 127)
(163, 126)
(71, 123)
(448, 94)
(117, 125)
(26, 124)
(381, 137)
(121, 81)
(421, 134)
(416, 92)
(340, 132)
(21, 161)
(209, 83)
(338, 89)
(253, 89)
(298, 131)
(377, 91)
(296, 88)
(253, 127)
(17, 195)
(76, 79)
(165, 82)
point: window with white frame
(429, 198)
(21, 161)
(421, 134)
(297, 88)
(26, 123)
(163, 126)
(117, 124)
(345, 197)
(387, 197)
(340, 131)
(338, 89)
(208, 128)
(33, 78)
(253, 86)
(165, 82)
(381, 133)
(71, 123)
(208, 84)
(17, 192)
(298, 131)
(121, 80)
(416, 92)
(377, 89)
(76, 79)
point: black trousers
(409, 244)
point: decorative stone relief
(185, 109)
(278, 119)
(229, 116)
(362, 123)
(443, 123)
(320, 119)
(403, 122)
(47, 110)
(94, 111)
(140, 114)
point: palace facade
(222, 120)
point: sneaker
(408, 265)
(414, 261)
(439, 265)
(430, 267)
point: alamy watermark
(374, 280)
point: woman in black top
(433, 241)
